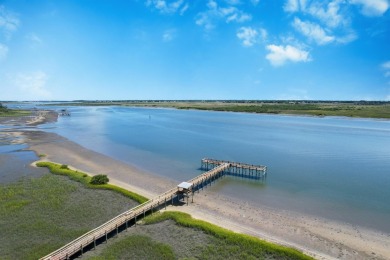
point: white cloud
(325, 21)
(9, 22)
(372, 7)
(3, 51)
(313, 32)
(386, 68)
(292, 6)
(33, 84)
(169, 35)
(328, 13)
(168, 7)
(280, 54)
(210, 17)
(249, 36)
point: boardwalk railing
(219, 168)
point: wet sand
(317, 237)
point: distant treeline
(354, 102)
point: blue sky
(181, 49)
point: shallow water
(15, 163)
(337, 168)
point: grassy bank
(234, 245)
(85, 180)
(363, 109)
(15, 113)
(39, 215)
(175, 235)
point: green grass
(229, 245)
(39, 215)
(14, 113)
(136, 247)
(85, 179)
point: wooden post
(116, 227)
(135, 220)
(94, 243)
(165, 203)
(81, 250)
(105, 234)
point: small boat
(64, 112)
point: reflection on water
(333, 167)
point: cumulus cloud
(372, 7)
(168, 7)
(250, 36)
(214, 13)
(313, 32)
(325, 21)
(329, 13)
(33, 83)
(386, 68)
(279, 55)
(247, 35)
(3, 51)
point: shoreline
(320, 238)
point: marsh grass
(14, 113)
(188, 238)
(136, 247)
(39, 215)
(85, 180)
(228, 245)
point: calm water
(332, 167)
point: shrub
(99, 179)
(64, 166)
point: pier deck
(215, 169)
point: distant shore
(359, 109)
(320, 238)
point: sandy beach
(320, 238)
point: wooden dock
(215, 169)
(237, 169)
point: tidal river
(337, 168)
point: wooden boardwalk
(111, 228)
